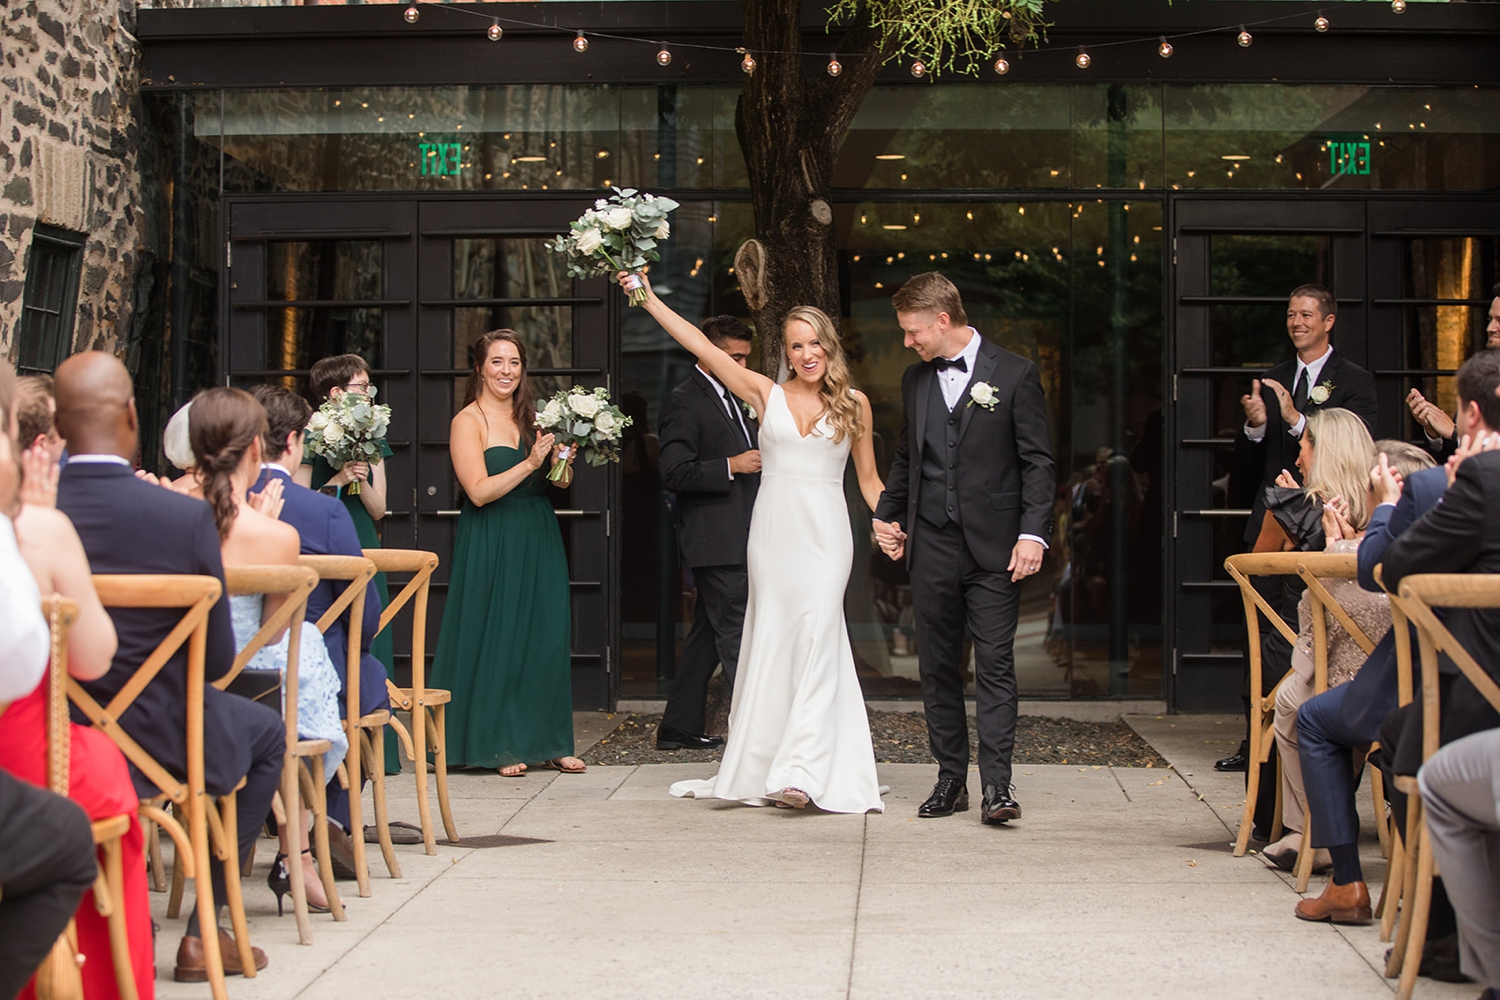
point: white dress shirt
(732, 406)
(954, 381)
(25, 640)
(1313, 369)
(98, 460)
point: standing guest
(129, 526)
(969, 497)
(1461, 795)
(1439, 429)
(710, 461)
(324, 528)
(505, 649)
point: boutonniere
(982, 393)
(749, 410)
(1318, 394)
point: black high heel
(280, 882)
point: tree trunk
(790, 120)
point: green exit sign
(440, 159)
(1348, 156)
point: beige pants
(1289, 697)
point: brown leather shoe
(192, 967)
(1341, 904)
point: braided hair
(222, 425)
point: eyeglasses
(362, 388)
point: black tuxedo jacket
(1259, 462)
(697, 439)
(1005, 475)
(129, 526)
(1460, 535)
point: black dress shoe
(1234, 762)
(949, 795)
(668, 738)
(998, 806)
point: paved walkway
(1118, 883)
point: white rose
(551, 414)
(333, 433)
(317, 423)
(663, 231)
(619, 217)
(589, 240)
(601, 204)
(605, 423)
(584, 406)
(983, 393)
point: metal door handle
(1219, 512)
(576, 513)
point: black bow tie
(959, 363)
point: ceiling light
(1234, 156)
(890, 156)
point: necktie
(943, 363)
(1299, 392)
(734, 410)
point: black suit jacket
(129, 526)
(697, 439)
(1005, 474)
(1460, 535)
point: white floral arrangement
(619, 233)
(584, 419)
(982, 393)
(350, 428)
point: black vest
(937, 502)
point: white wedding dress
(798, 715)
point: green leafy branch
(945, 35)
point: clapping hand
(1468, 448)
(1385, 481)
(1287, 480)
(890, 537)
(1336, 526)
(1255, 406)
(38, 477)
(540, 449)
(268, 501)
(1289, 413)
(1432, 418)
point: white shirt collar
(1314, 369)
(277, 466)
(98, 460)
(711, 379)
(969, 353)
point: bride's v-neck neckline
(795, 425)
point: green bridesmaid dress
(505, 649)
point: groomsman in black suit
(131, 526)
(710, 460)
(969, 501)
(1437, 427)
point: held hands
(38, 477)
(745, 462)
(1431, 416)
(890, 538)
(1025, 559)
(1255, 406)
(268, 501)
(1385, 482)
(1289, 414)
(352, 472)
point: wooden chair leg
(440, 765)
(229, 851)
(1305, 853)
(1252, 791)
(316, 791)
(356, 810)
(153, 855)
(1277, 830)
(1382, 821)
(1421, 906)
(373, 745)
(174, 898)
(419, 733)
(113, 885)
(1401, 938)
(203, 885)
(291, 804)
(1390, 901)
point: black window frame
(62, 251)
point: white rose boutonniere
(982, 393)
(1318, 394)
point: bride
(798, 732)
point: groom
(972, 484)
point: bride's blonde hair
(838, 401)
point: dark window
(51, 300)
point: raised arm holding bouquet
(619, 233)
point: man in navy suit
(1332, 724)
(326, 530)
(131, 526)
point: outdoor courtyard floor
(1118, 882)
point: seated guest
(130, 526)
(177, 445)
(227, 429)
(325, 529)
(35, 408)
(1461, 794)
(1331, 725)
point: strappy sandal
(792, 798)
(556, 764)
(513, 774)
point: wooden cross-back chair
(1262, 706)
(1395, 875)
(206, 826)
(366, 732)
(109, 884)
(1314, 568)
(428, 706)
(1420, 594)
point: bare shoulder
(273, 541)
(44, 524)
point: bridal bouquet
(579, 418)
(619, 233)
(348, 429)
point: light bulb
(1165, 48)
(580, 44)
(1321, 23)
(411, 14)
(919, 69)
(747, 64)
(834, 66)
(1244, 38)
(664, 57)
(494, 31)
(1082, 60)
(1002, 66)
(1399, 6)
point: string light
(1399, 6)
(1321, 23)
(580, 43)
(834, 66)
(1165, 48)
(919, 69)
(495, 32)
(1083, 60)
(664, 56)
(411, 14)
(747, 64)
(1002, 66)
(1244, 38)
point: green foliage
(946, 35)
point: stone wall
(70, 138)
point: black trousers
(951, 593)
(714, 638)
(46, 866)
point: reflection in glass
(1253, 334)
(508, 269)
(1453, 276)
(325, 269)
(295, 338)
(547, 332)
